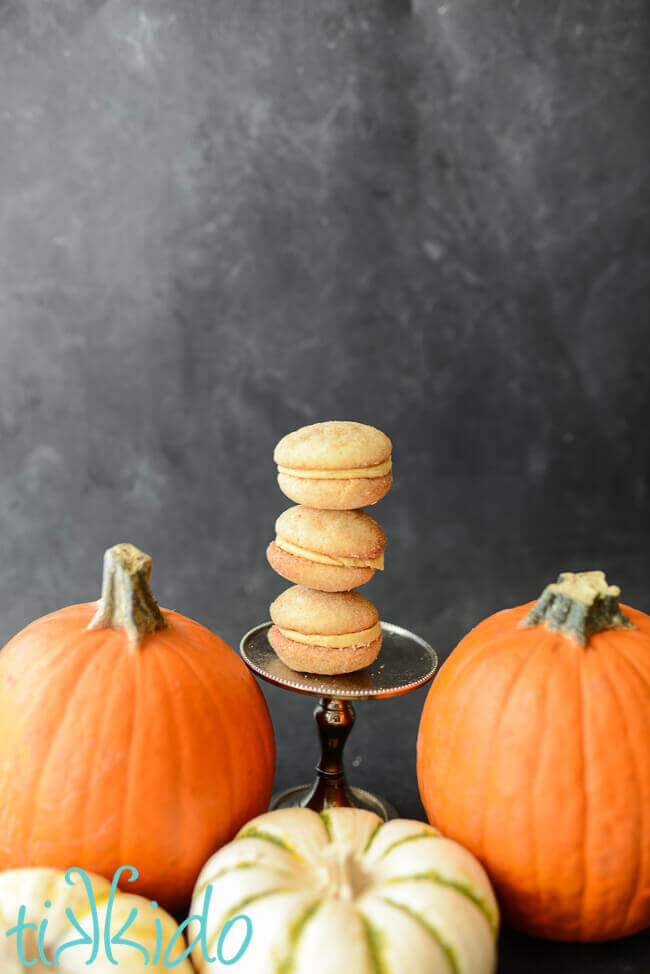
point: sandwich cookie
(335, 465)
(324, 632)
(333, 551)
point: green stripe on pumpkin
(376, 941)
(296, 930)
(327, 822)
(405, 839)
(254, 833)
(275, 870)
(373, 835)
(239, 908)
(433, 877)
(446, 947)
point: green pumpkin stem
(578, 605)
(127, 601)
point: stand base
(297, 797)
(406, 662)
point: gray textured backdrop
(223, 220)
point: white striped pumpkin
(33, 888)
(344, 891)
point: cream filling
(380, 470)
(361, 638)
(340, 562)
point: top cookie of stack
(335, 466)
(327, 545)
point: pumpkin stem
(578, 605)
(127, 601)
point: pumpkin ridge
(205, 688)
(165, 639)
(643, 677)
(37, 624)
(493, 644)
(177, 731)
(130, 765)
(376, 948)
(102, 655)
(585, 792)
(419, 918)
(269, 753)
(50, 746)
(495, 732)
(295, 932)
(43, 657)
(256, 720)
(214, 693)
(201, 887)
(453, 730)
(477, 655)
(432, 875)
(373, 836)
(637, 777)
(327, 822)
(403, 840)
(254, 833)
(532, 824)
(241, 905)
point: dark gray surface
(222, 220)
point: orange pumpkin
(534, 753)
(129, 735)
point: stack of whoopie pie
(327, 546)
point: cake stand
(405, 663)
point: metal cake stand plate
(405, 663)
